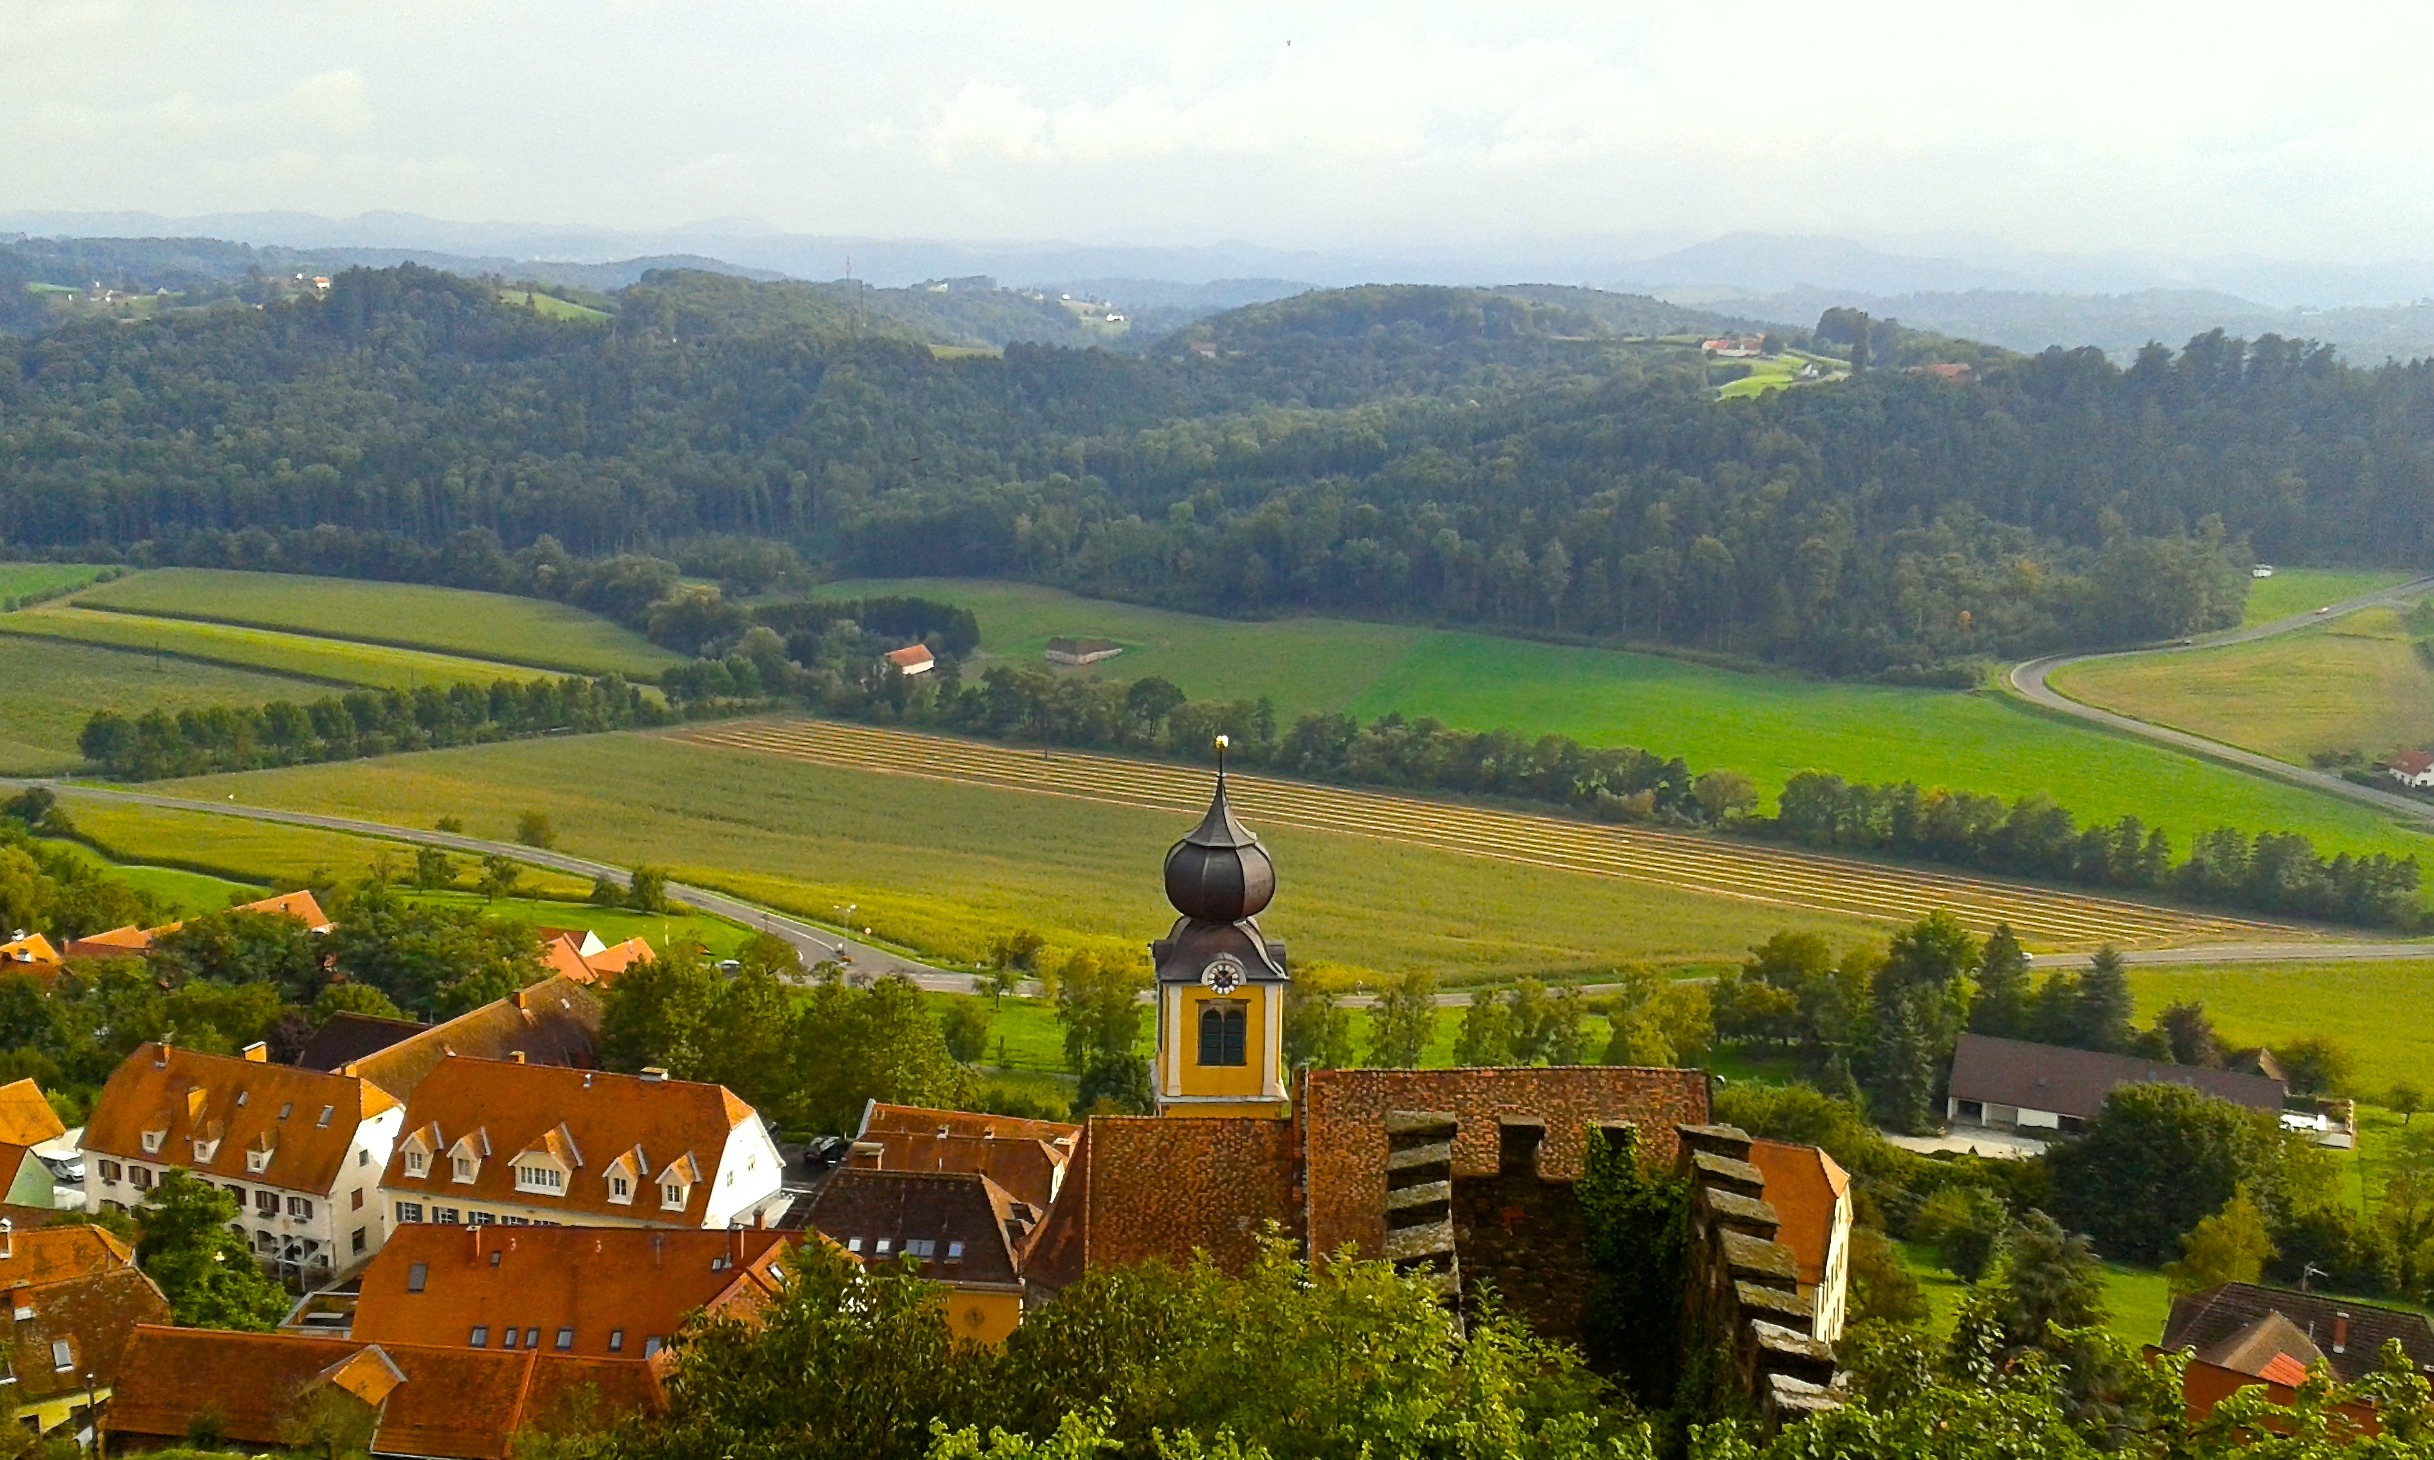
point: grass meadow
(550, 306)
(2354, 684)
(19, 579)
(2382, 1013)
(2293, 591)
(446, 621)
(55, 686)
(1769, 726)
(334, 663)
(941, 868)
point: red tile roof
(118, 942)
(78, 1284)
(1144, 1187)
(455, 1403)
(1804, 1185)
(879, 1116)
(617, 957)
(1025, 1157)
(643, 1127)
(231, 1106)
(26, 1117)
(552, 1022)
(594, 1281)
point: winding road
(2032, 682)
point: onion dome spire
(1219, 873)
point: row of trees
(363, 722)
(2272, 872)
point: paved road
(816, 944)
(2031, 681)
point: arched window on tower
(1221, 1033)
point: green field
(1777, 372)
(1770, 726)
(2383, 1013)
(54, 688)
(942, 868)
(2136, 1301)
(550, 306)
(447, 621)
(19, 579)
(2293, 591)
(336, 663)
(2355, 685)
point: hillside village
(476, 1239)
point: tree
(648, 890)
(661, 1012)
(353, 998)
(2405, 1100)
(1638, 1226)
(328, 1421)
(434, 960)
(1486, 1036)
(206, 1271)
(533, 830)
(2404, 1210)
(607, 891)
(2154, 1161)
(964, 1024)
(235, 947)
(434, 870)
(2229, 1247)
(852, 1046)
(1403, 1021)
(1096, 1004)
(2317, 1066)
(1963, 1223)
(1318, 1028)
(2190, 1035)
(2044, 1278)
(2005, 991)
(500, 875)
(2102, 1020)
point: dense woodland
(1503, 458)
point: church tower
(1221, 981)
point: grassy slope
(55, 687)
(1770, 726)
(334, 662)
(2383, 1013)
(19, 579)
(943, 868)
(495, 626)
(2304, 590)
(2355, 684)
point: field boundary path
(815, 943)
(1757, 872)
(2031, 681)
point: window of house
(616, 1340)
(1222, 1027)
(239, 1193)
(481, 1219)
(111, 1171)
(540, 1178)
(266, 1203)
(620, 1189)
(416, 1275)
(445, 1216)
(566, 1339)
(853, 1244)
(532, 1338)
(652, 1345)
(672, 1196)
(152, 1141)
(464, 1168)
(409, 1211)
(480, 1338)
(357, 1239)
(355, 1200)
(884, 1244)
(140, 1177)
(287, 1110)
(363, 1157)
(326, 1112)
(415, 1162)
(63, 1355)
(954, 1252)
(920, 1247)
(300, 1208)
(257, 1161)
(507, 1337)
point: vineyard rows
(1714, 866)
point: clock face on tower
(1224, 973)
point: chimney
(258, 1052)
(160, 1061)
(654, 1073)
(476, 1229)
(2340, 1333)
(517, 1055)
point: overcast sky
(2294, 131)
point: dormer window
(621, 1190)
(418, 1161)
(326, 1112)
(672, 1196)
(257, 1160)
(204, 1150)
(547, 1180)
(153, 1140)
(465, 1168)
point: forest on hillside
(1504, 458)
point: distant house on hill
(1958, 374)
(913, 659)
(1082, 651)
(2413, 769)
(2009, 1084)
(1741, 347)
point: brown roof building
(1026, 1158)
(1811, 1195)
(552, 1022)
(2223, 1324)
(131, 940)
(598, 1292)
(2012, 1084)
(450, 1403)
(301, 1150)
(349, 1037)
(77, 1298)
(503, 1141)
(960, 1229)
(26, 1121)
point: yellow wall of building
(1250, 1079)
(983, 1315)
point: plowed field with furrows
(2044, 918)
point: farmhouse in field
(1082, 651)
(2010, 1084)
(2413, 769)
(912, 659)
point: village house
(445, 1403)
(76, 1298)
(131, 941)
(2243, 1334)
(500, 1141)
(912, 659)
(553, 1022)
(2010, 1084)
(595, 1292)
(29, 953)
(301, 1151)
(2413, 769)
(28, 1128)
(958, 1229)
(1811, 1195)
(1025, 1158)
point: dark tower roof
(1219, 873)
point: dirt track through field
(1713, 866)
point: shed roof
(2076, 1081)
